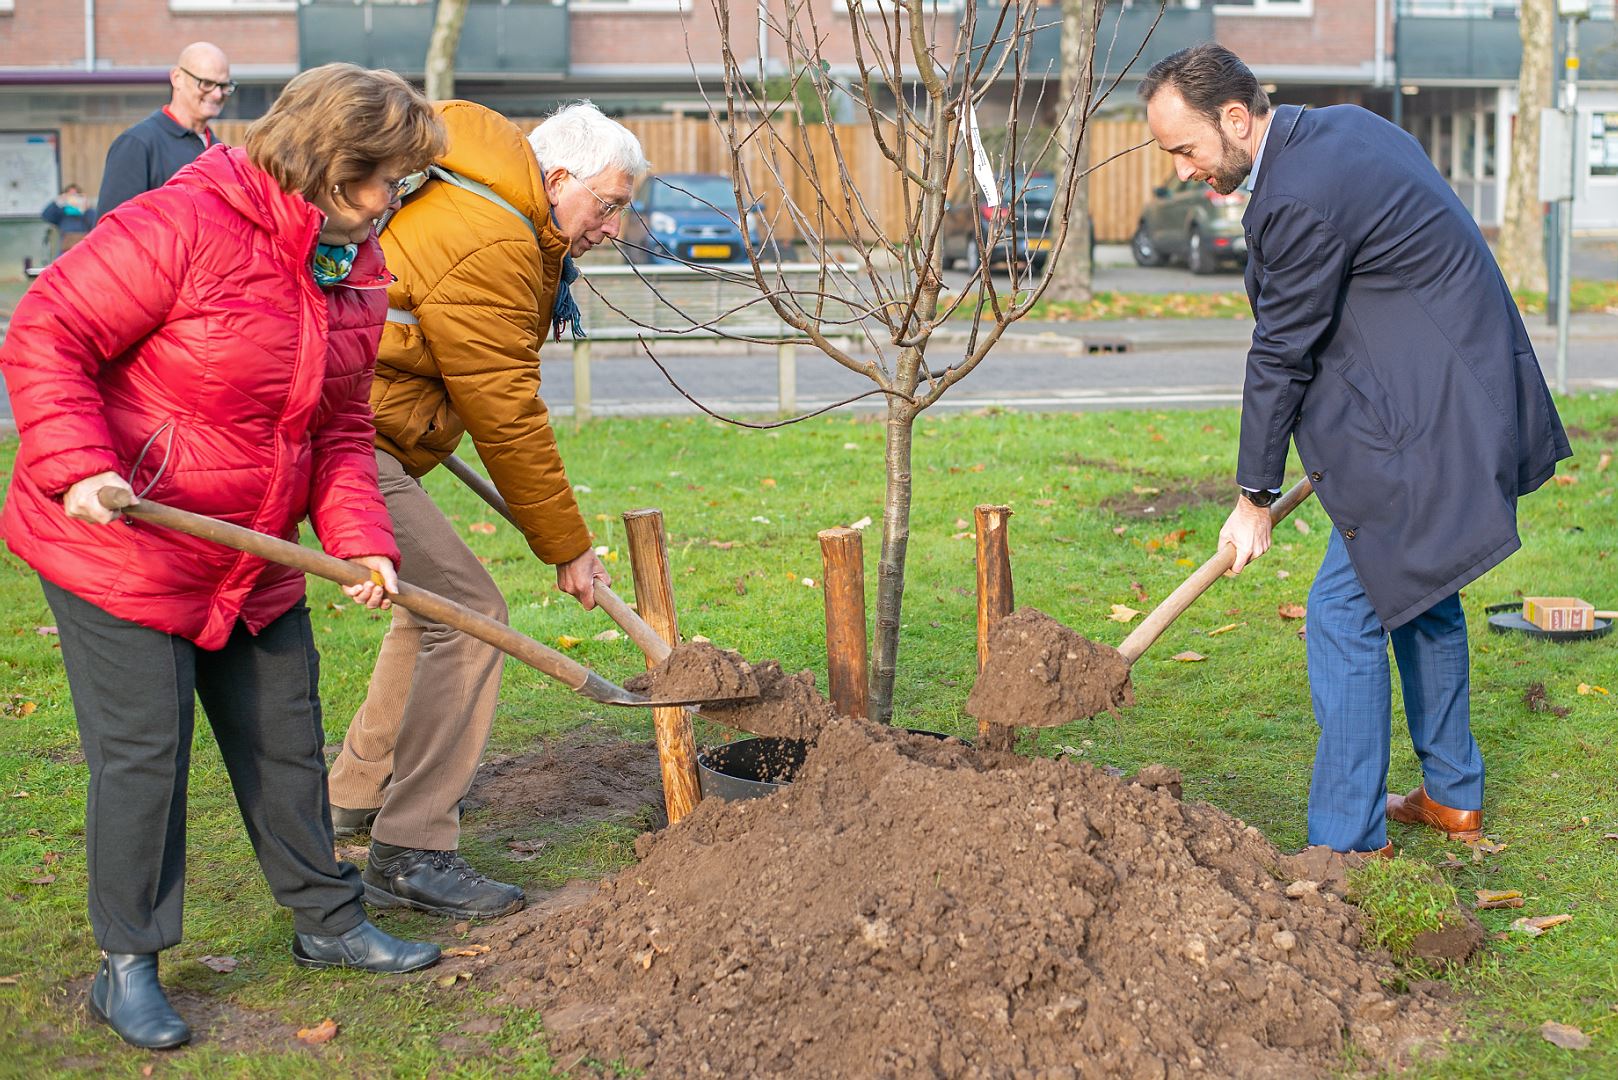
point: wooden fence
(678, 143)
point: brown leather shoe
(1417, 809)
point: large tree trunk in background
(1522, 238)
(441, 49)
(1072, 276)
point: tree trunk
(890, 580)
(1071, 272)
(1522, 238)
(441, 49)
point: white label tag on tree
(981, 168)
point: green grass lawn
(742, 509)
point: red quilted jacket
(188, 319)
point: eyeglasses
(208, 86)
(401, 186)
(609, 209)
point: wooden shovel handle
(621, 613)
(440, 609)
(1152, 627)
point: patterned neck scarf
(566, 309)
(332, 262)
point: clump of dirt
(585, 775)
(1452, 943)
(1040, 673)
(697, 671)
(1538, 700)
(910, 907)
(1163, 778)
(788, 706)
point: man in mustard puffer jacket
(482, 253)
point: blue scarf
(566, 309)
(332, 262)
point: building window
(1264, 7)
(630, 5)
(231, 7)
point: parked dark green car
(1188, 221)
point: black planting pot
(754, 768)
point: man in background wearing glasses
(145, 156)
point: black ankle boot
(437, 881)
(363, 947)
(127, 997)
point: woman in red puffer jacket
(211, 344)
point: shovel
(1074, 677)
(570, 673)
(656, 649)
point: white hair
(586, 142)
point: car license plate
(1039, 243)
(710, 251)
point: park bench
(624, 303)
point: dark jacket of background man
(145, 156)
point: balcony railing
(499, 37)
(1123, 31)
(1480, 40)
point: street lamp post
(1571, 11)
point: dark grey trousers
(134, 692)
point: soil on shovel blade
(910, 907)
(788, 706)
(1040, 673)
(697, 671)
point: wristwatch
(1260, 498)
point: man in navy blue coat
(1389, 348)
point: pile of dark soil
(696, 671)
(787, 706)
(911, 907)
(1040, 673)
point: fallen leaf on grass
(567, 642)
(1282, 575)
(323, 1032)
(1227, 628)
(1119, 530)
(1611, 836)
(20, 708)
(354, 853)
(8, 980)
(1591, 688)
(1147, 490)
(1565, 479)
(1182, 561)
(21, 795)
(1044, 502)
(1140, 592)
(608, 635)
(1485, 847)
(1566, 1036)
(44, 631)
(42, 879)
(1538, 924)
(722, 545)
(224, 965)
(862, 523)
(524, 850)
(485, 528)
(1301, 525)
(1122, 613)
(467, 950)
(1489, 899)
(768, 481)
(1603, 461)
(447, 981)
(1172, 539)
(1292, 611)
(1188, 657)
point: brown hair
(1208, 76)
(339, 123)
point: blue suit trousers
(1350, 685)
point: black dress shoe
(346, 823)
(127, 997)
(363, 947)
(437, 881)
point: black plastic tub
(754, 768)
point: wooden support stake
(581, 380)
(847, 653)
(654, 599)
(994, 582)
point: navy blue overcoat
(1388, 346)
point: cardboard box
(1559, 612)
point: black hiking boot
(440, 882)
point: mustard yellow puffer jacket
(481, 287)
